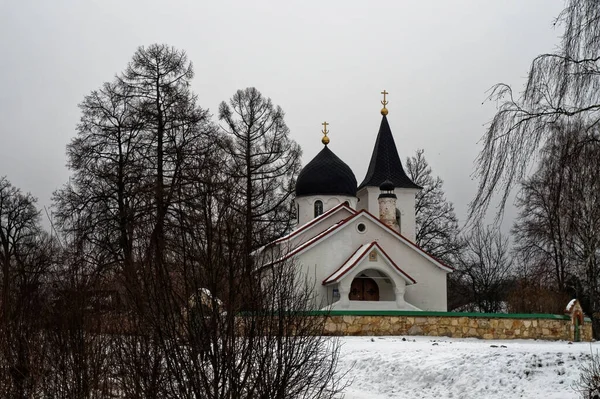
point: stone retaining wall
(483, 325)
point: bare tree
(98, 205)
(159, 77)
(546, 202)
(25, 258)
(140, 140)
(135, 145)
(558, 229)
(264, 162)
(153, 207)
(437, 224)
(561, 87)
(484, 269)
(219, 351)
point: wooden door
(356, 290)
(363, 289)
(370, 290)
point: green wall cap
(418, 313)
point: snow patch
(427, 367)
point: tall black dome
(326, 174)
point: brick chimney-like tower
(387, 205)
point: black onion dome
(326, 174)
(385, 163)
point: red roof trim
(357, 261)
(316, 221)
(314, 240)
(343, 222)
(352, 266)
(404, 238)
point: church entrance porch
(364, 288)
(369, 289)
(368, 280)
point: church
(356, 241)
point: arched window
(318, 208)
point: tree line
(552, 124)
(138, 289)
(555, 248)
(552, 128)
(545, 145)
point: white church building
(356, 242)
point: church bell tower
(385, 167)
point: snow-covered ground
(438, 367)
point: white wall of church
(429, 293)
(305, 234)
(323, 259)
(368, 199)
(305, 206)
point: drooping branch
(562, 87)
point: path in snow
(438, 367)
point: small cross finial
(325, 139)
(384, 110)
(384, 102)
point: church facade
(356, 242)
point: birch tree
(561, 88)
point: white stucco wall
(305, 205)
(318, 262)
(368, 199)
(304, 233)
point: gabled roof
(385, 163)
(408, 242)
(314, 240)
(358, 256)
(306, 226)
(338, 226)
(315, 221)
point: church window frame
(318, 208)
(361, 228)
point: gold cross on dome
(325, 139)
(385, 93)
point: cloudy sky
(319, 60)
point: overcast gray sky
(325, 60)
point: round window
(361, 227)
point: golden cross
(325, 139)
(384, 102)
